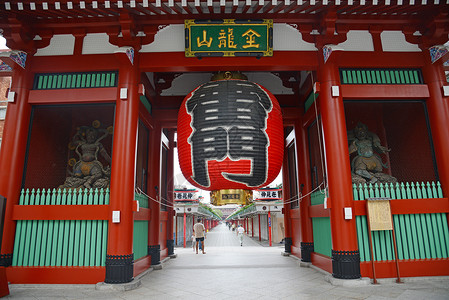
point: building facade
(87, 150)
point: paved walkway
(228, 271)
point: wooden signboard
(378, 213)
(228, 37)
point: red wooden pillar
(119, 258)
(288, 238)
(269, 227)
(260, 236)
(345, 253)
(305, 184)
(154, 248)
(176, 230)
(438, 108)
(12, 154)
(184, 229)
(170, 193)
(252, 226)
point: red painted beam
(295, 213)
(383, 91)
(164, 216)
(321, 261)
(407, 268)
(409, 206)
(318, 211)
(144, 214)
(73, 96)
(60, 212)
(380, 59)
(56, 275)
(75, 63)
(141, 265)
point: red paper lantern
(230, 136)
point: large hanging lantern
(230, 136)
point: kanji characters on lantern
(230, 135)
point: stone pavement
(228, 271)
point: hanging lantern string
(140, 192)
(319, 138)
(295, 198)
(288, 201)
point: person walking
(200, 234)
(240, 231)
(193, 241)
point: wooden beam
(383, 91)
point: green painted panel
(368, 78)
(344, 77)
(436, 236)
(445, 233)
(64, 81)
(56, 200)
(47, 231)
(39, 82)
(420, 238)
(88, 80)
(60, 242)
(33, 234)
(386, 76)
(83, 80)
(416, 76)
(83, 244)
(380, 76)
(140, 239)
(389, 245)
(441, 234)
(364, 80)
(359, 77)
(350, 81)
(75, 80)
(104, 243)
(73, 85)
(415, 241)
(58, 86)
(102, 81)
(402, 78)
(19, 241)
(354, 76)
(360, 238)
(397, 230)
(88, 238)
(108, 79)
(409, 237)
(393, 77)
(317, 198)
(322, 239)
(383, 245)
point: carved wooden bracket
(129, 34)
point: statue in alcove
(88, 171)
(367, 165)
